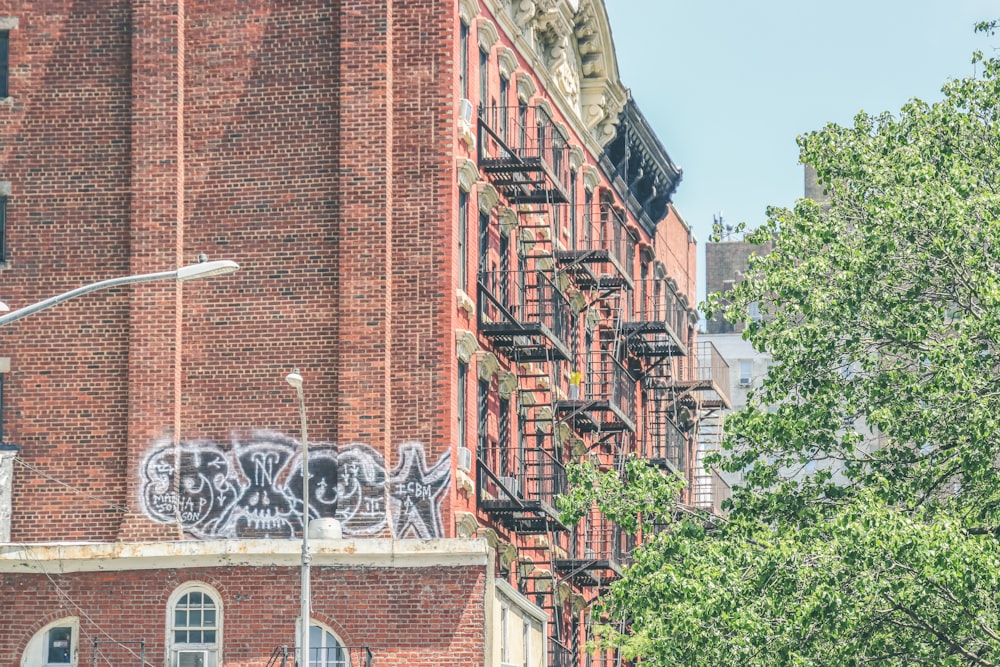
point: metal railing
(711, 491)
(657, 301)
(519, 298)
(712, 367)
(522, 474)
(332, 656)
(602, 232)
(606, 379)
(523, 135)
(597, 538)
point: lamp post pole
(295, 380)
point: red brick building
(449, 215)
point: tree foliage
(881, 311)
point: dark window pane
(4, 61)
(59, 645)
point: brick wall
(407, 617)
(310, 142)
(65, 146)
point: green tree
(882, 314)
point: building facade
(450, 217)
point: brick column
(156, 239)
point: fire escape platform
(527, 517)
(580, 266)
(653, 339)
(713, 397)
(525, 341)
(590, 572)
(592, 416)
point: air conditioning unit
(510, 483)
(192, 659)
(465, 111)
(464, 459)
(744, 384)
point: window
(58, 645)
(55, 644)
(572, 209)
(504, 635)
(503, 436)
(3, 226)
(525, 643)
(746, 372)
(325, 650)
(484, 77)
(504, 277)
(504, 94)
(4, 63)
(463, 371)
(484, 241)
(463, 60)
(522, 125)
(195, 627)
(463, 240)
(483, 423)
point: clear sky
(728, 84)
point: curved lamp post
(295, 380)
(185, 273)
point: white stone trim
(526, 87)
(488, 198)
(467, 173)
(591, 177)
(8, 22)
(486, 33)
(466, 345)
(468, 10)
(506, 61)
(120, 557)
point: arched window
(325, 648)
(195, 626)
(55, 644)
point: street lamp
(295, 380)
(183, 274)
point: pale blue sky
(727, 84)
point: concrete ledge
(113, 557)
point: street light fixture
(295, 380)
(183, 274)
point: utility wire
(69, 602)
(41, 473)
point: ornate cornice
(642, 172)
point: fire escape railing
(595, 551)
(665, 417)
(606, 400)
(712, 376)
(524, 314)
(658, 325)
(519, 485)
(710, 491)
(602, 250)
(525, 154)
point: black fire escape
(526, 317)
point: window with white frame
(55, 644)
(195, 627)
(325, 648)
(746, 372)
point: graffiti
(253, 489)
